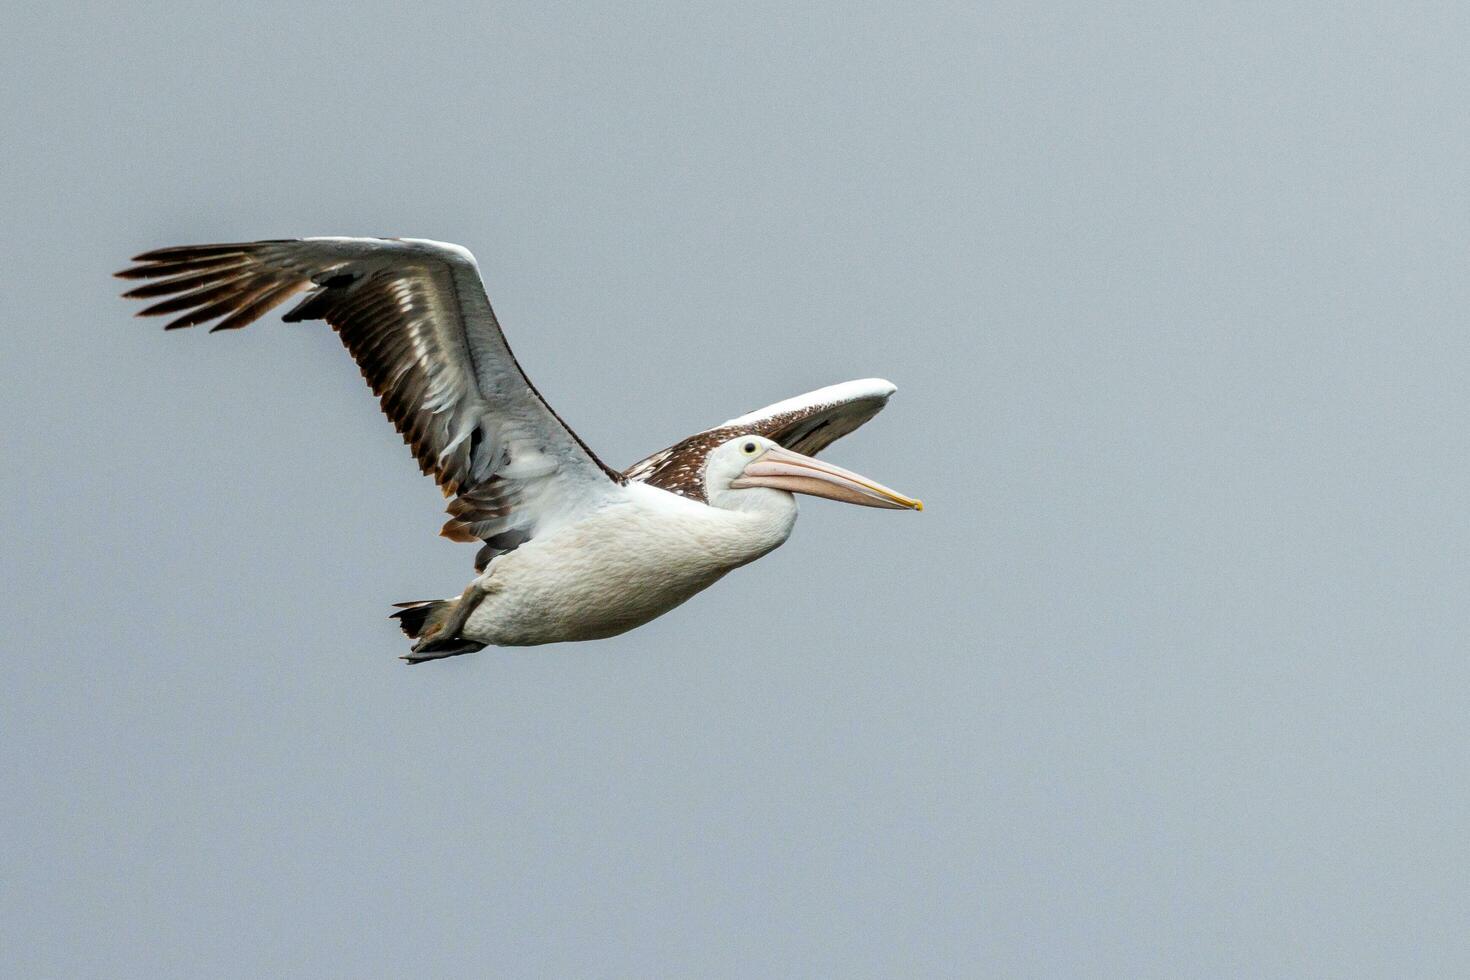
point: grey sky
(1169, 678)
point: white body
(623, 564)
(577, 550)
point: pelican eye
(750, 448)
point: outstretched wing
(415, 317)
(807, 424)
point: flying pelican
(570, 548)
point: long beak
(782, 469)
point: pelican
(570, 549)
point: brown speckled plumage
(680, 468)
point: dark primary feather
(415, 319)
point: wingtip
(177, 251)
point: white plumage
(620, 566)
(571, 548)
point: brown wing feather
(389, 301)
(807, 424)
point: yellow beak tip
(918, 505)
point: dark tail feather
(425, 618)
(411, 616)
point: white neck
(755, 500)
(751, 523)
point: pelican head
(750, 462)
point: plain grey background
(1168, 680)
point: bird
(570, 548)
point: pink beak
(782, 469)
